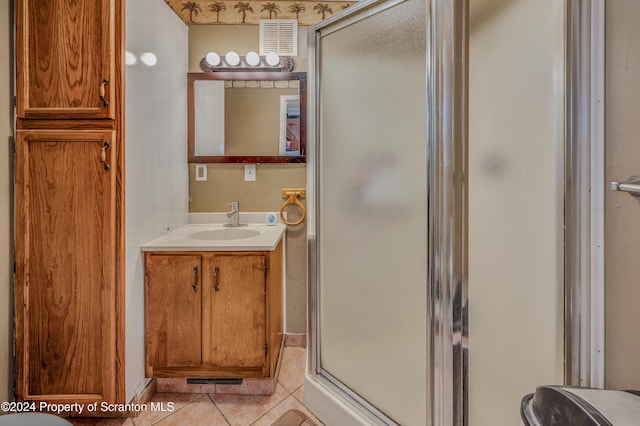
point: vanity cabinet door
(237, 312)
(173, 301)
(66, 56)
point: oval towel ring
(293, 199)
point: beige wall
(622, 212)
(239, 38)
(6, 166)
(226, 181)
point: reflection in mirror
(247, 117)
(252, 118)
(289, 125)
(209, 131)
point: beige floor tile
(291, 418)
(201, 412)
(299, 393)
(299, 340)
(292, 369)
(242, 410)
(179, 400)
(288, 404)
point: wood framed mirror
(247, 117)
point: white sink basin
(224, 234)
(215, 236)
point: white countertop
(183, 239)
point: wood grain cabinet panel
(237, 321)
(173, 319)
(241, 314)
(66, 58)
(65, 282)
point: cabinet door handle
(216, 279)
(102, 92)
(195, 279)
(103, 156)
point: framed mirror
(247, 117)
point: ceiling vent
(280, 36)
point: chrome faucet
(234, 214)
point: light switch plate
(201, 172)
(249, 172)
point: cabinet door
(173, 306)
(66, 306)
(237, 336)
(65, 51)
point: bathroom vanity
(213, 302)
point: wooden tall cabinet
(69, 238)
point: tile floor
(224, 410)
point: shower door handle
(631, 185)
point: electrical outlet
(201, 172)
(249, 172)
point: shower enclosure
(386, 212)
(449, 162)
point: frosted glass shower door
(371, 182)
(516, 206)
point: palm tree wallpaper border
(234, 12)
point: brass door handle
(195, 279)
(216, 279)
(102, 92)
(103, 156)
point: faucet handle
(233, 204)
